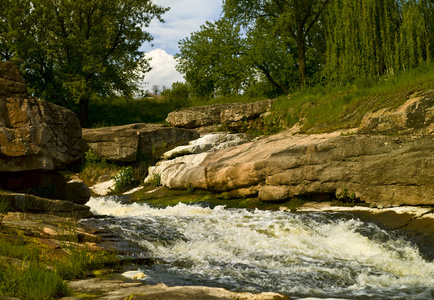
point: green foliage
(324, 109)
(78, 263)
(124, 179)
(367, 39)
(156, 180)
(95, 166)
(4, 208)
(190, 189)
(178, 95)
(32, 282)
(73, 52)
(211, 60)
(29, 271)
(114, 111)
(346, 199)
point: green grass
(324, 109)
(31, 282)
(29, 270)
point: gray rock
(33, 204)
(135, 142)
(118, 289)
(77, 192)
(34, 134)
(417, 114)
(229, 114)
(209, 142)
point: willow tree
(373, 37)
(72, 52)
(290, 18)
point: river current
(322, 255)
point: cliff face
(384, 170)
(34, 134)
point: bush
(124, 179)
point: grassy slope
(323, 109)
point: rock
(46, 184)
(103, 188)
(117, 289)
(229, 114)
(34, 134)
(77, 192)
(135, 142)
(381, 170)
(417, 114)
(209, 142)
(33, 204)
(134, 274)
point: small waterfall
(300, 255)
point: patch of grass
(31, 270)
(31, 282)
(324, 109)
(95, 166)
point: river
(322, 255)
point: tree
(290, 18)
(212, 59)
(75, 51)
(372, 38)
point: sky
(183, 18)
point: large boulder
(32, 204)
(34, 134)
(382, 170)
(135, 142)
(231, 115)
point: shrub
(124, 179)
(156, 180)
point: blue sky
(184, 17)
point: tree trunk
(84, 111)
(272, 81)
(301, 57)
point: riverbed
(301, 255)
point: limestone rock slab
(134, 142)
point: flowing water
(323, 255)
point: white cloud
(183, 18)
(163, 71)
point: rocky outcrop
(416, 115)
(135, 142)
(34, 134)
(209, 142)
(32, 204)
(382, 170)
(118, 289)
(232, 115)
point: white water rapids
(296, 254)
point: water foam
(309, 254)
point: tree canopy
(74, 51)
(212, 59)
(293, 43)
